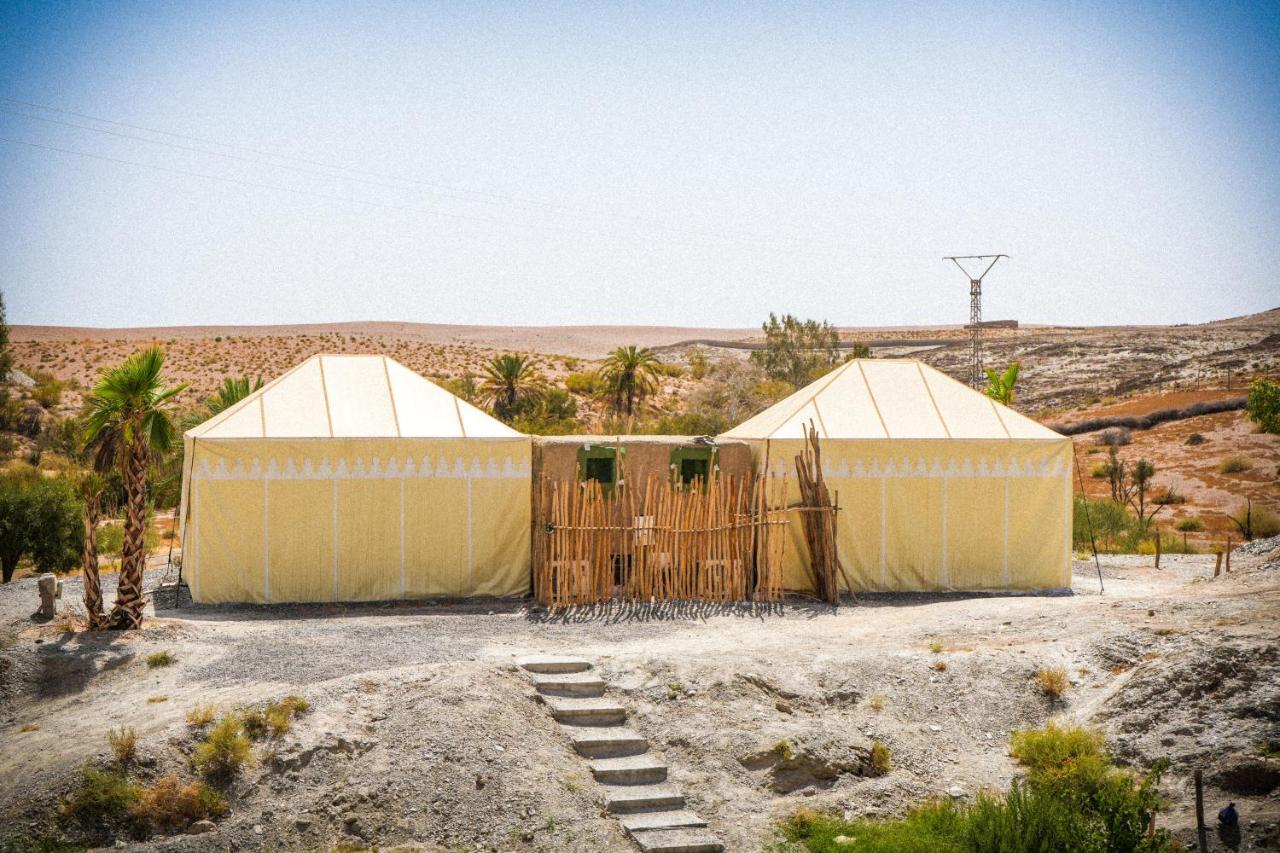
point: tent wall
(950, 514)
(325, 519)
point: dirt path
(422, 731)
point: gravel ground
(420, 730)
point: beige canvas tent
(939, 487)
(353, 478)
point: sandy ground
(421, 731)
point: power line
(296, 191)
(458, 193)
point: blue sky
(684, 164)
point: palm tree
(231, 391)
(630, 374)
(129, 422)
(511, 383)
(92, 486)
(1000, 385)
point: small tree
(1141, 475)
(92, 487)
(630, 374)
(1264, 405)
(1000, 385)
(511, 385)
(40, 519)
(797, 351)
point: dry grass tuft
(172, 806)
(224, 750)
(1052, 682)
(156, 700)
(881, 758)
(935, 646)
(940, 665)
(200, 716)
(124, 744)
(876, 702)
(156, 660)
(1234, 465)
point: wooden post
(1201, 838)
(1157, 547)
(1217, 565)
(1228, 566)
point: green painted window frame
(680, 455)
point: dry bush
(1115, 437)
(935, 646)
(156, 660)
(1234, 465)
(200, 716)
(1052, 682)
(124, 744)
(881, 758)
(940, 665)
(1189, 525)
(1195, 438)
(171, 806)
(876, 702)
(156, 700)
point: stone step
(668, 819)
(645, 769)
(688, 840)
(605, 741)
(553, 664)
(582, 711)
(568, 683)
(639, 798)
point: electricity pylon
(975, 312)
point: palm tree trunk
(127, 612)
(92, 588)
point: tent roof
(352, 396)
(889, 398)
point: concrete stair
(641, 798)
(634, 780)
(580, 711)
(584, 684)
(554, 664)
(642, 769)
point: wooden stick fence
(819, 522)
(719, 539)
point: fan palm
(232, 391)
(630, 374)
(128, 423)
(511, 383)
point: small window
(599, 463)
(599, 469)
(692, 463)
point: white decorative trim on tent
(906, 469)
(375, 469)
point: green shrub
(1189, 525)
(156, 660)
(1112, 525)
(1195, 439)
(583, 383)
(1263, 405)
(224, 750)
(104, 796)
(1234, 465)
(1100, 472)
(1073, 798)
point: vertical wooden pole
(1157, 547)
(1228, 566)
(1217, 565)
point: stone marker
(50, 592)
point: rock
(784, 707)
(955, 792)
(50, 592)
(934, 728)
(302, 823)
(200, 827)
(843, 839)
(257, 829)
